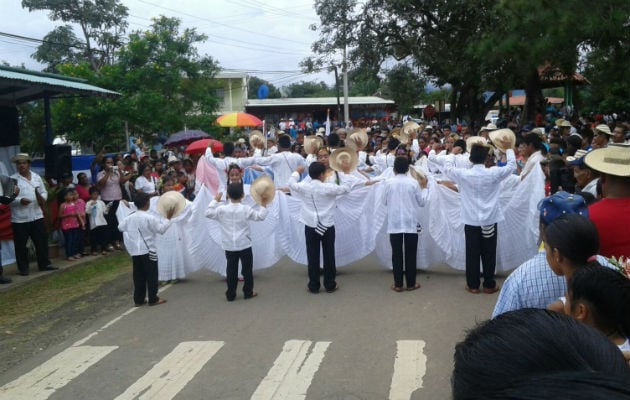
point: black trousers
(145, 279)
(113, 234)
(36, 230)
(481, 244)
(327, 243)
(97, 238)
(247, 261)
(408, 242)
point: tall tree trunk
(533, 98)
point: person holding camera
(109, 181)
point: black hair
(141, 200)
(393, 143)
(588, 197)
(461, 143)
(284, 141)
(94, 189)
(143, 167)
(401, 165)
(228, 148)
(527, 343)
(574, 236)
(607, 294)
(533, 139)
(478, 153)
(333, 140)
(235, 191)
(316, 169)
(187, 161)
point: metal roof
(316, 101)
(20, 86)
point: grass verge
(41, 296)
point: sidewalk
(10, 271)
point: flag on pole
(328, 122)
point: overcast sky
(264, 38)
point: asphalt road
(362, 342)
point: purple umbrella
(185, 137)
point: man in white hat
(27, 218)
(611, 214)
(480, 212)
(602, 136)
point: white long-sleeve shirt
(283, 164)
(31, 212)
(96, 209)
(222, 165)
(479, 189)
(318, 199)
(139, 230)
(233, 218)
(402, 195)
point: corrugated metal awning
(20, 86)
(317, 101)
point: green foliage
(310, 89)
(404, 86)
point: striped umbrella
(238, 119)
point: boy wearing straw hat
(479, 189)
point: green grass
(40, 296)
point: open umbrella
(185, 137)
(238, 119)
(200, 146)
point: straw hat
(577, 158)
(21, 157)
(263, 190)
(172, 159)
(171, 200)
(358, 139)
(603, 128)
(475, 140)
(312, 144)
(611, 160)
(417, 173)
(562, 123)
(410, 126)
(501, 134)
(256, 139)
(489, 127)
(401, 135)
(344, 159)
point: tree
(165, 86)
(102, 23)
(310, 89)
(403, 85)
(255, 82)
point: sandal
(158, 302)
(397, 289)
(414, 287)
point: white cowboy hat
(171, 200)
(21, 157)
(489, 127)
(475, 140)
(611, 160)
(312, 144)
(263, 190)
(502, 134)
(358, 139)
(344, 159)
(603, 128)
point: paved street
(362, 342)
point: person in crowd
(619, 134)
(139, 230)
(283, 163)
(611, 214)
(586, 178)
(532, 151)
(600, 297)
(27, 218)
(602, 136)
(534, 284)
(72, 222)
(96, 210)
(479, 188)
(233, 218)
(5, 199)
(527, 344)
(83, 186)
(109, 182)
(317, 217)
(146, 183)
(402, 196)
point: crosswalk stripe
(292, 372)
(409, 369)
(173, 372)
(43, 381)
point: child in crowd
(71, 223)
(97, 210)
(82, 233)
(236, 241)
(139, 230)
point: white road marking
(43, 381)
(409, 369)
(173, 372)
(292, 372)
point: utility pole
(346, 106)
(337, 91)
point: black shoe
(333, 289)
(4, 280)
(23, 273)
(49, 268)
